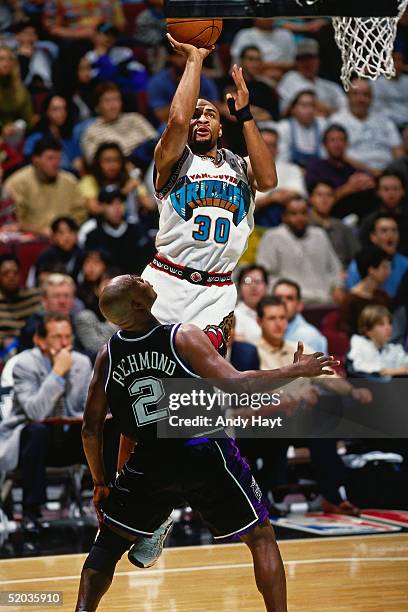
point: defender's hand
(242, 96)
(188, 50)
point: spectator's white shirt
(246, 326)
(306, 138)
(277, 45)
(370, 140)
(327, 92)
(290, 176)
(390, 98)
(366, 357)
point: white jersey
(206, 212)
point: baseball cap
(308, 46)
(109, 193)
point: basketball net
(366, 44)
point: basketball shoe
(146, 551)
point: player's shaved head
(125, 298)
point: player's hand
(242, 96)
(188, 50)
(100, 493)
(362, 395)
(313, 365)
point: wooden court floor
(353, 574)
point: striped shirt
(15, 310)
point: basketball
(197, 32)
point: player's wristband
(243, 114)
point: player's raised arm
(261, 166)
(196, 349)
(174, 139)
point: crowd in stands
(85, 91)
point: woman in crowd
(94, 265)
(109, 167)
(16, 111)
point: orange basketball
(197, 32)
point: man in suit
(50, 384)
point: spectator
(16, 112)
(301, 252)
(330, 96)
(385, 235)
(83, 92)
(56, 122)
(277, 46)
(252, 287)
(390, 95)
(343, 240)
(270, 204)
(374, 268)
(400, 165)
(162, 87)
(392, 199)
(150, 32)
(109, 167)
(129, 246)
(298, 328)
(131, 131)
(353, 188)
(373, 138)
(301, 134)
(75, 19)
(50, 382)
(16, 305)
(371, 352)
(58, 297)
(43, 192)
(36, 58)
(94, 267)
(113, 63)
(64, 248)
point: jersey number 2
(147, 391)
(221, 229)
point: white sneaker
(146, 551)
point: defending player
(207, 473)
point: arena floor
(357, 573)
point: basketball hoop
(366, 43)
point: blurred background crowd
(85, 91)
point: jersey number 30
(221, 229)
(147, 392)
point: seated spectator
(16, 306)
(400, 166)
(58, 296)
(76, 20)
(64, 248)
(298, 329)
(252, 287)
(162, 86)
(353, 188)
(109, 167)
(393, 200)
(330, 96)
(343, 239)
(43, 192)
(92, 329)
(301, 252)
(36, 58)
(50, 382)
(16, 111)
(385, 235)
(83, 93)
(131, 131)
(263, 98)
(373, 138)
(56, 123)
(301, 133)
(113, 63)
(270, 204)
(94, 266)
(390, 95)
(128, 244)
(277, 46)
(371, 352)
(374, 267)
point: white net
(366, 44)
